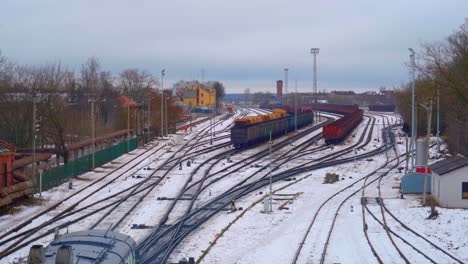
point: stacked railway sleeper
(158, 247)
(20, 237)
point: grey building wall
(448, 188)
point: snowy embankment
(274, 238)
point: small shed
(450, 182)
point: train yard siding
(274, 238)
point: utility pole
(214, 120)
(128, 128)
(315, 51)
(190, 116)
(438, 113)
(203, 75)
(149, 115)
(295, 106)
(271, 180)
(162, 99)
(426, 173)
(211, 126)
(34, 142)
(92, 132)
(286, 85)
(413, 138)
(167, 131)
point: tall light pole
(128, 127)
(92, 132)
(286, 84)
(412, 145)
(165, 103)
(271, 180)
(315, 51)
(34, 142)
(149, 113)
(438, 127)
(295, 106)
(162, 99)
(211, 125)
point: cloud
(243, 43)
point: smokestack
(279, 89)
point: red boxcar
(338, 130)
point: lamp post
(271, 180)
(315, 51)
(412, 145)
(162, 99)
(128, 128)
(34, 141)
(92, 133)
(295, 106)
(167, 131)
(438, 112)
(149, 114)
(211, 126)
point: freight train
(382, 108)
(253, 130)
(338, 130)
(90, 246)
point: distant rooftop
(447, 165)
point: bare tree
(136, 83)
(445, 63)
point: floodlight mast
(315, 51)
(162, 98)
(413, 136)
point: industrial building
(199, 96)
(450, 182)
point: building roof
(93, 246)
(447, 165)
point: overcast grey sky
(243, 43)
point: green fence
(58, 175)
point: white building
(450, 182)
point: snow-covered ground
(148, 212)
(257, 237)
(274, 238)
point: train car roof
(93, 246)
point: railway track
(347, 193)
(443, 255)
(191, 221)
(68, 212)
(322, 206)
(167, 240)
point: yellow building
(199, 96)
